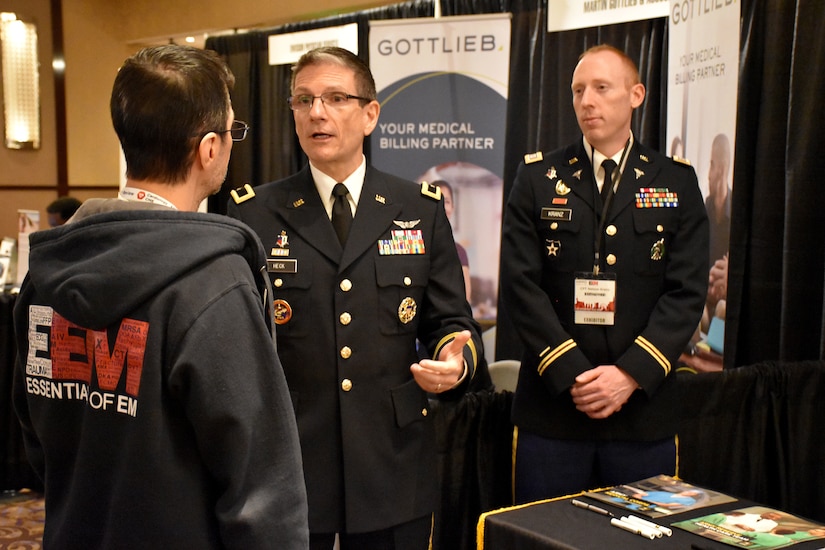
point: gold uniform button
(346, 384)
(345, 318)
(554, 226)
(660, 228)
(611, 230)
(407, 281)
(611, 259)
(278, 283)
(346, 352)
(346, 285)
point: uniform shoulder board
(242, 194)
(680, 160)
(430, 190)
(530, 158)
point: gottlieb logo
(438, 45)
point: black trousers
(413, 535)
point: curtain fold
(777, 243)
(763, 444)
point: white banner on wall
(703, 80)
(289, 47)
(442, 84)
(564, 15)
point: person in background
(363, 263)
(60, 210)
(152, 400)
(718, 201)
(605, 291)
(449, 206)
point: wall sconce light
(21, 82)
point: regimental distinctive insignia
(577, 174)
(573, 161)
(530, 158)
(644, 158)
(281, 245)
(639, 173)
(283, 311)
(430, 190)
(561, 188)
(407, 241)
(553, 247)
(656, 197)
(247, 191)
(298, 203)
(657, 251)
(379, 198)
(407, 310)
(406, 224)
(551, 173)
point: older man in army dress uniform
(352, 297)
(605, 289)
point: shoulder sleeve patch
(680, 160)
(530, 158)
(430, 190)
(242, 194)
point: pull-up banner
(442, 84)
(703, 79)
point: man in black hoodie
(150, 407)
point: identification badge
(595, 298)
(281, 266)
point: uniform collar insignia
(551, 173)
(639, 173)
(578, 174)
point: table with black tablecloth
(15, 472)
(558, 525)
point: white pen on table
(641, 521)
(633, 528)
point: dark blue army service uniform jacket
(348, 324)
(657, 250)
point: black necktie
(341, 212)
(609, 165)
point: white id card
(595, 298)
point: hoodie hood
(115, 254)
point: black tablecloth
(558, 525)
(15, 472)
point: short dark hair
(345, 58)
(164, 99)
(65, 206)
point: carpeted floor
(22, 515)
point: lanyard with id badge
(595, 292)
